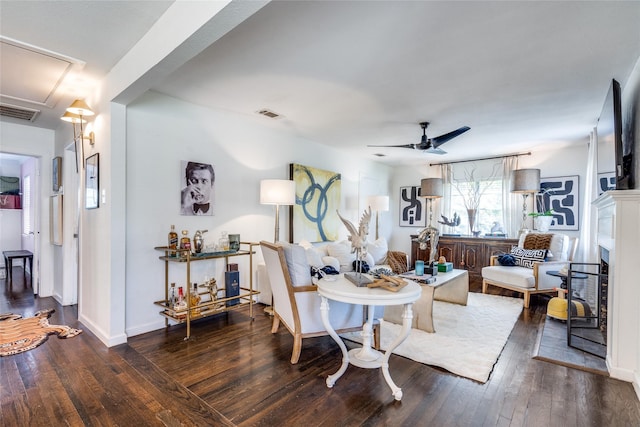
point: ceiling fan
(430, 145)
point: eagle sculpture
(358, 236)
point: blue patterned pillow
(507, 260)
(527, 257)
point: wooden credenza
(466, 253)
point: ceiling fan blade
(439, 140)
(435, 150)
(412, 146)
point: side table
(341, 289)
(9, 256)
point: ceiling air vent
(270, 114)
(21, 113)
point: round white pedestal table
(341, 289)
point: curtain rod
(483, 158)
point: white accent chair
(296, 302)
(531, 280)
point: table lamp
(430, 189)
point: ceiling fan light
(80, 108)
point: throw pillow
(527, 257)
(378, 250)
(397, 261)
(537, 241)
(507, 260)
(330, 261)
(299, 268)
(342, 251)
(313, 257)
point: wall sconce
(378, 204)
(75, 115)
(525, 182)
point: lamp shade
(81, 108)
(379, 203)
(431, 188)
(277, 192)
(72, 118)
(525, 181)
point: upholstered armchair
(296, 302)
(529, 276)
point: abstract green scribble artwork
(317, 198)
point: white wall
(36, 142)
(161, 132)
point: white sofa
(531, 280)
(339, 256)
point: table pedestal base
(366, 357)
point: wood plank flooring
(236, 373)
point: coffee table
(341, 289)
(452, 286)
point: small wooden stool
(9, 256)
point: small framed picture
(56, 171)
(92, 181)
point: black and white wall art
(561, 194)
(413, 211)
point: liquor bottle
(173, 241)
(185, 241)
(195, 300)
(181, 303)
(172, 297)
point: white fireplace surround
(618, 231)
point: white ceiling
(522, 75)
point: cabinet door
(449, 250)
(472, 257)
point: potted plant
(543, 219)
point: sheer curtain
(587, 250)
(511, 203)
(445, 202)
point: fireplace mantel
(618, 231)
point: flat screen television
(614, 159)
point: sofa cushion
(527, 257)
(342, 251)
(378, 250)
(314, 258)
(331, 261)
(516, 276)
(299, 268)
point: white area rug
(468, 339)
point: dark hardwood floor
(235, 372)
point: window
(26, 205)
(489, 212)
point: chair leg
(275, 324)
(484, 286)
(527, 298)
(297, 348)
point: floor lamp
(378, 204)
(525, 182)
(278, 192)
(430, 189)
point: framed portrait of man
(198, 180)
